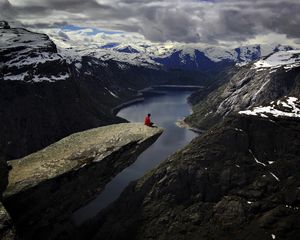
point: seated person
(147, 121)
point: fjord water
(165, 110)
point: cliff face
(41, 100)
(46, 187)
(239, 180)
(46, 94)
(3, 176)
(255, 84)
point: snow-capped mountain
(286, 59)
(47, 93)
(59, 76)
(45, 96)
(30, 57)
(167, 55)
(185, 58)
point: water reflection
(165, 111)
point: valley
(74, 164)
(165, 110)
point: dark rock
(216, 188)
(4, 25)
(7, 230)
(247, 88)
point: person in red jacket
(147, 120)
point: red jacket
(147, 121)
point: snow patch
(122, 66)
(287, 59)
(78, 65)
(291, 207)
(288, 107)
(277, 179)
(18, 77)
(111, 93)
(256, 160)
(239, 130)
(51, 78)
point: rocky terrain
(7, 229)
(238, 180)
(255, 84)
(68, 174)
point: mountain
(239, 179)
(45, 96)
(48, 92)
(167, 55)
(253, 85)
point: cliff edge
(45, 187)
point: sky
(211, 22)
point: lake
(165, 111)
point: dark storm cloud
(177, 20)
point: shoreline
(182, 124)
(117, 108)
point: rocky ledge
(47, 186)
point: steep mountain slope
(255, 84)
(44, 96)
(40, 100)
(238, 180)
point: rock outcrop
(238, 180)
(47, 186)
(7, 230)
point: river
(165, 111)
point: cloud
(190, 21)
